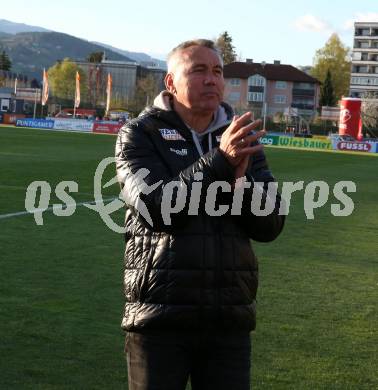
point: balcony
(365, 48)
(365, 62)
(254, 101)
(256, 89)
(302, 106)
(303, 92)
(371, 71)
(366, 34)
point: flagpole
(35, 102)
(108, 93)
(74, 113)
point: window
(235, 82)
(303, 101)
(256, 81)
(5, 103)
(234, 96)
(365, 80)
(357, 80)
(255, 96)
(303, 86)
(357, 56)
(281, 84)
(280, 99)
(363, 44)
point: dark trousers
(165, 360)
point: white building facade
(364, 72)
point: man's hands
(236, 140)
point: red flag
(45, 88)
(77, 90)
(108, 91)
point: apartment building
(283, 89)
(364, 73)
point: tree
(95, 56)
(96, 83)
(224, 43)
(5, 62)
(369, 111)
(333, 57)
(146, 91)
(327, 94)
(62, 78)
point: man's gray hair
(194, 42)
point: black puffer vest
(199, 271)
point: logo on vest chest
(179, 152)
(171, 135)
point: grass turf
(61, 283)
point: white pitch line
(17, 154)
(24, 189)
(12, 187)
(51, 208)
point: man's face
(197, 79)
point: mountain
(32, 48)
(136, 56)
(13, 28)
(32, 51)
(3, 34)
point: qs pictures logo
(176, 197)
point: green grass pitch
(61, 296)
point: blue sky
(262, 30)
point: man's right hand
(236, 140)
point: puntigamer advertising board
(35, 123)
